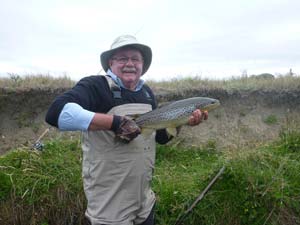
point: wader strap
(147, 94)
(115, 89)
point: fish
(175, 114)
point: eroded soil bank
(245, 118)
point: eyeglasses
(124, 60)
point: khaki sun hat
(127, 40)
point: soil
(245, 118)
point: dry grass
(282, 82)
(35, 81)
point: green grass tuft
(271, 119)
(290, 141)
(43, 186)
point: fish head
(206, 104)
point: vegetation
(252, 83)
(34, 81)
(259, 186)
(41, 187)
(259, 82)
(271, 119)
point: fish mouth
(211, 106)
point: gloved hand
(125, 128)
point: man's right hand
(125, 128)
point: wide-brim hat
(127, 40)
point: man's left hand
(197, 117)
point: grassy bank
(182, 84)
(242, 83)
(258, 186)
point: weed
(289, 140)
(5, 186)
(271, 119)
(211, 145)
(242, 113)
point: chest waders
(116, 175)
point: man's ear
(109, 63)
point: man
(117, 161)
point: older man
(117, 172)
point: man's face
(127, 64)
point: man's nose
(130, 62)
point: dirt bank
(244, 118)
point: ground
(245, 118)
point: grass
(271, 119)
(181, 85)
(41, 187)
(281, 82)
(180, 175)
(259, 186)
(33, 81)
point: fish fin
(172, 131)
(147, 131)
(163, 104)
(133, 116)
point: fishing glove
(125, 128)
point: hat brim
(144, 49)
